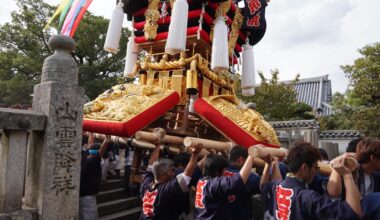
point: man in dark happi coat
(290, 198)
(240, 205)
(211, 198)
(161, 189)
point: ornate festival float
(184, 54)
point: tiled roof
(339, 134)
(295, 123)
(315, 92)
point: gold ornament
(249, 120)
(201, 63)
(124, 102)
(235, 28)
(152, 15)
(223, 8)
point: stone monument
(53, 177)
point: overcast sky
(310, 37)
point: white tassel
(176, 42)
(200, 22)
(248, 71)
(114, 29)
(219, 55)
(131, 57)
(164, 11)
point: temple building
(315, 92)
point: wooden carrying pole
(137, 143)
(143, 140)
(324, 168)
(150, 146)
(178, 141)
(156, 136)
(208, 144)
(201, 154)
(152, 137)
(114, 139)
(261, 151)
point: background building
(315, 92)
(333, 141)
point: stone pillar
(12, 169)
(311, 136)
(331, 149)
(53, 186)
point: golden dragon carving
(124, 102)
(249, 120)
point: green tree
(302, 110)
(24, 46)
(340, 120)
(276, 100)
(98, 70)
(364, 76)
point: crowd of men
(220, 186)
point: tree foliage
(98, 70)
(364, 76)
(24, 46)
(276, 100)
(343, 111)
